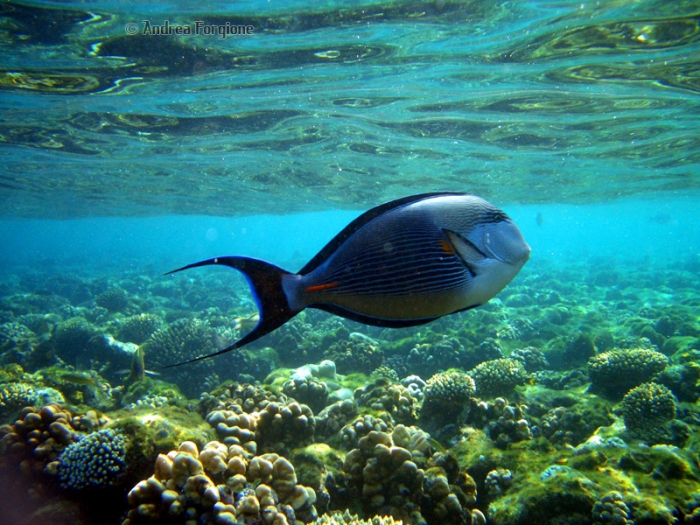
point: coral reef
(384, 473)
(333, 418)
(384, 372)
(446, 399)
(532, 359)
(15, 396)
(573, 425)
(355, 356)
(71, 337)
(498, 481)
(307, 390)
(611, 510)
(396, 400)
(553, 434)
(17, 343)
(498, 377)
(37, 438)
(361, 426)
(345, 518)
(220, 484)
(646, 409)
(275, 428)
(616, 371)
(430, 358)
(138, 328)
(281, 428)
(239, 398)
(503, 423)
(183, 340)
(94, 462)
(113, 300)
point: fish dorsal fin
(347, 232)
(467, 251)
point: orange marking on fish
(447, 247)
(321, 287)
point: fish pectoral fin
(467, 251)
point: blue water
(662, 231)
(125, 155)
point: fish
(248, 322)
(661, 218)
(404, 263)
(138, 368)
(79, 378)
(539, 219)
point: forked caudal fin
(265, 282)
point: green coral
(94, 462)
(611, 509)
(114, 300)
(355, 356)
(138, 328)
(560, 495)
(616, 371)
(498, 377)
(15, 396)
(396, 400)
(646, 409)
(71, 337)
(446, 398)
(183, 340)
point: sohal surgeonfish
(404, 263)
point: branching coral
(646, 409)
(94, 462)
(616, 371)
(446, 399)
(183, 340)
(114, 300)
(138, 328)
(498, 377)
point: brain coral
(498, 377)
(646, 409)
(96, 461)
(616, 371)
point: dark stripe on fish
(347, 232)
(415, 264)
